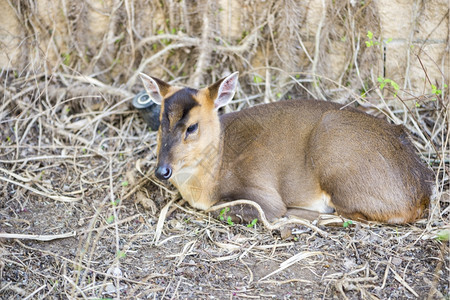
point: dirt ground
(201, 258)
(82, 216)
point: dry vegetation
(81, 214)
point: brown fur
(293, 156)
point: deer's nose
(163, 172)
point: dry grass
(82, 216)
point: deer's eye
(191, 129)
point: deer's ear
(155, 88)
(223, 90)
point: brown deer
(299, 157)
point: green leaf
(347, 223)
(118, 40)
(380, 79)
(229, 221)
(369, 34)
(443, 235)
(368, 44)
(110, 219)
(66, 58)
(435, 90)
(121, 254)
(252, 223)
(223, 212)
(257, 79)
(382, 86)
(395, 85)
(124, 183)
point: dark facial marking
(177, 107)
(176, 111)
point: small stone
(349, 263)
(397, 261)
(115, 271)
(110, 288)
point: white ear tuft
(152, 88)
(226, 90)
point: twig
(160, 224)
(292, 260)
(75, 286)
(99, 229)
(35, 292)
(182, 38)
(116, 227)
(203, 58)
(317, 50)
(156, 56)
(386, 272)
(250, 280)
(21, 178)
(97, 83)
(78, 264)
(403, 282)
(54, 197)
(267, 224)
(40, 237)
(130, 26)
(428, 138)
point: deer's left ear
(155, 88)
(223, 90)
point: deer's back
(304, 149)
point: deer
(300, 158)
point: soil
(86, 171)
(202, 258)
